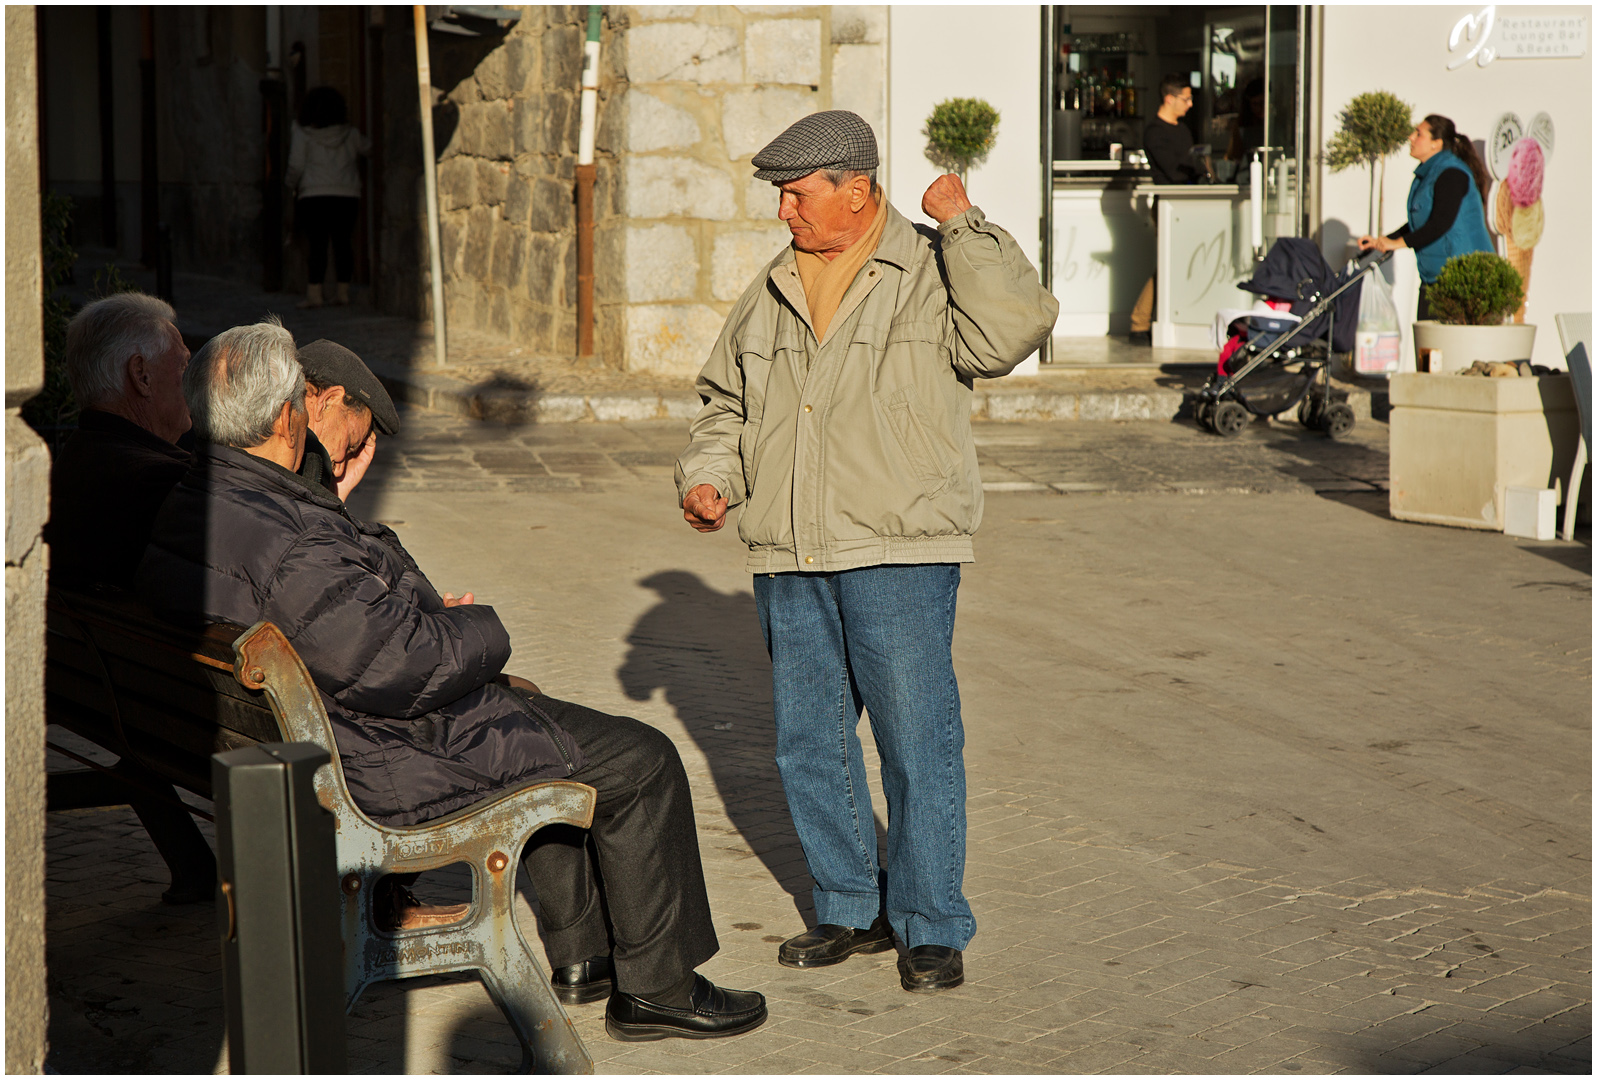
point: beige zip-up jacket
(856, 450)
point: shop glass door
(1282, 101)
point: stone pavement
(1260, 780)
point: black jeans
(639, 864)
(329, 218)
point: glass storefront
(1246, 67)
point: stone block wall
(686, 96)
(506, 123)
(705, 88)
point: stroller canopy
(1294, 270)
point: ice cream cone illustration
(1519, 217)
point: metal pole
(429, 171)
(274, 112)
(1045, 247)
(586, 175)
(149, 178)
(108, 232)
(1300, 132)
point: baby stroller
(1279, 358)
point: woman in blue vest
(1446, 214)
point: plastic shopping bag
(1379, 340)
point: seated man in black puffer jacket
(425, 719)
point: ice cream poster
(1517, 157)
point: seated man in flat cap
(837, 412)
(426, 720)
(347, 407)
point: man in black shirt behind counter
(1168, 145)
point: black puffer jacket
(421, 727)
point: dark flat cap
(328, 363)
(836, 139)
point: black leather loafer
(714, 1013)
(578, 984)
(926, 969)
(832, 944)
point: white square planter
(1458, 441)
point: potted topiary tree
(1458, 442)
(1374, 127)
(960, 133)
(1471, 300)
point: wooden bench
(166, 699)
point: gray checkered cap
(836, 139)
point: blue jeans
(881, 638)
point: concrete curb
(528, 405)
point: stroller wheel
(1230, 418)
(1338, 420)
(1203, 412)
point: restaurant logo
(1476, 28)
(1522, 37)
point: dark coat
(105, 487)
(421, 727)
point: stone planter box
(1458, 441)
(1461, 346)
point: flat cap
(328, 363)
(836, 139)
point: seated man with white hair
(125, 361)
(425, 719)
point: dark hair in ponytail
(1442, 128)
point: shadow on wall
(704, 648)
(1335, 239)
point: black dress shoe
(713, 1013)
(1140, 337)
(578, 984)
(926, 969)
(829, 943)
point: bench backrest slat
(118, 676)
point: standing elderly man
(426, 720)
(837, 411)
(125, 360)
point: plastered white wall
(1410, 57)
(992, 53)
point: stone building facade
(687, 95)
(506, 135)
(706, 87)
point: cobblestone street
(1260, 780)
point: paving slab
(1259, 781)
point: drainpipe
(586, 174)
(429, 171)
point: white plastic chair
(1574, 331)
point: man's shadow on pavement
(705, 649)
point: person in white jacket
(323, 147)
